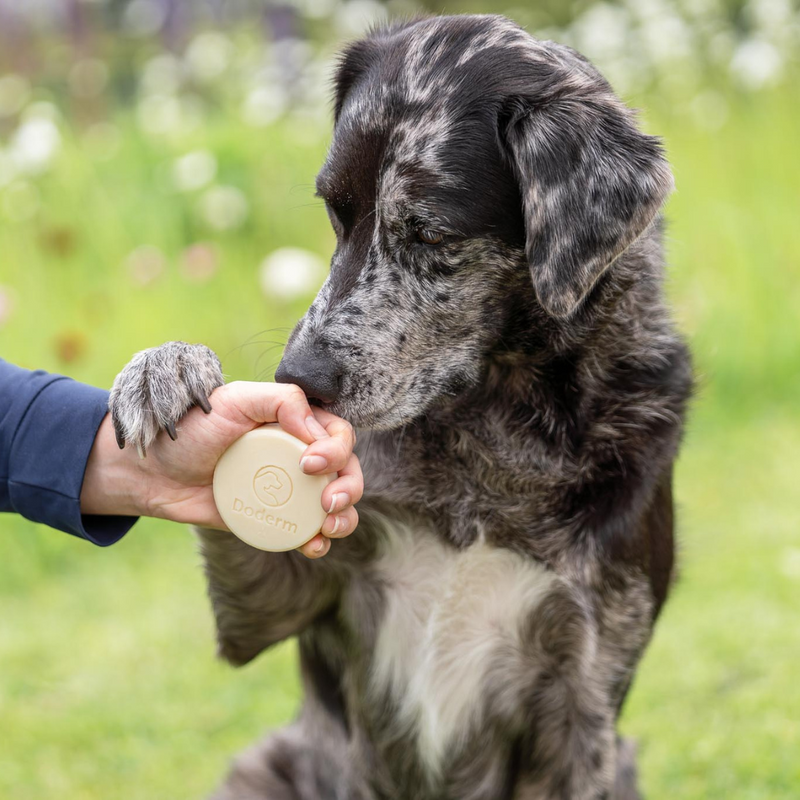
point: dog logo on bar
(273, 486)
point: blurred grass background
(156, 161)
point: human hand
(174, 481)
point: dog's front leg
(158, 387)
(568, 748)
(582, 656)
(262, 598)
(258, 598)
(572, 755)
(597, 768)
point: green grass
(108, 683)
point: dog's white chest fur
(450, 617)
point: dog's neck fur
(563, 416)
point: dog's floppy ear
(590, 182)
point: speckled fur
(158, 386)
(520, 392)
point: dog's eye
(427, 236)
(340, 215)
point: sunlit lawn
(108, 683)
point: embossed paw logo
(272, 486)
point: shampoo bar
(262, 494)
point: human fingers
(346, 490)
(333, 448)
(283, 403)
(337, 526)
(333, 425)
(316, 547)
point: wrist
(115, 481)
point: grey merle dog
(494, 324)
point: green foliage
(109, 687)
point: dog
(493, 325)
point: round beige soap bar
(262, 494)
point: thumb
(283, 403)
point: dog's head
(471, 166)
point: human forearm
(116, 482)
(48, 426)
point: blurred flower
(162, 115)
(224, 208)
(8, 170)
(145, 264)
(88, 77)
(194, 170)
(59, 241)
(159, 114)
(70, 345)
(756, 63)
(671, 42)
(310, 122)
(291, 54)
(354, 17)
(14, 93)
(42, 109)
(20, 201)
(162, 74)
(199, 262)
(193, 111)
(316, 9)
(34, 144)
(264, 105)
(209, 55)
(102, 140)
(770, 15)
(6, 304)
(603, 31)
(144, 17)
(291, 272)
(721, 46)
(666, 36)
(709, 110)
(313, 86)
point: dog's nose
(317, 374)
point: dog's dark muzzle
(316, 372)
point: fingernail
(313, 463)
(339, 499)
(329, 529)
(320, 546)
(315, 429)
(336, 525)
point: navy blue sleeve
(47, 427)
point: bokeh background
(157, 160)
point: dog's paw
(158, 387)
